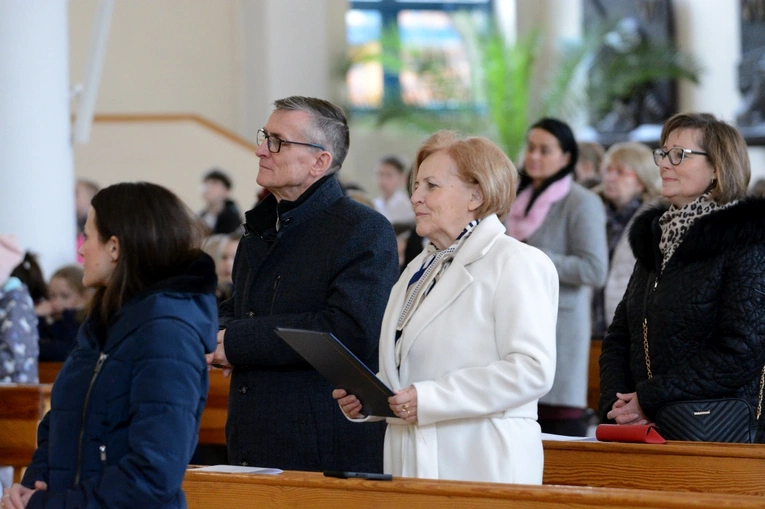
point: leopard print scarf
(675, 222)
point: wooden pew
(298, 490)
(47, 371)
(674, 466)
(593, 374)
(22, 406)
(212, 428)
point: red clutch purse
(640, 433)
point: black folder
(336, 363)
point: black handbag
(705, 420)
(708, 420)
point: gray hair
(328, 127)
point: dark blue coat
(330, 267)
(141, 397)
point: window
(411, 52)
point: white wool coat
(480, 351)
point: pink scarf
(521, 225)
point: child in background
(224, 266)
(222, 249)
(18, 323)
(61, 315)
(30, 273)
(18, 329)
(393, 202)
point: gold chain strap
(650, 374)
(759, 401)
(645, 348)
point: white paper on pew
(236, 469)
(565, 438)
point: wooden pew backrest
(212, 429)
(304, 490)
(593, 375)
(22, 406)
(674, 466)
(47, 371)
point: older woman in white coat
(468, 338)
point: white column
(557, 21)
(506, 15)
(36, 169)
(288, 48)
(710, 30)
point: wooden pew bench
(47, 371)
(674, 466)
(298, 490)
(593, 374)
(22, 406)
(212, 428)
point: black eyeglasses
(275, 144)
(675, 154)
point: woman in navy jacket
(126, 406)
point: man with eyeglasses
(310, 258)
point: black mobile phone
(359, 475)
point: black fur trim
(737, 226)
(198, 276)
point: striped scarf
(423, 281)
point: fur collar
(198, 276)
(741, 225)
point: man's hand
(349, 404)
(218, 359)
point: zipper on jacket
(102, 450)
(96, 371)
(276, 288)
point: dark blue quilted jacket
(124, 419)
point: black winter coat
(330, 267)
(706, 314)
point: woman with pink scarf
(567, 222)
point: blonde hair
(72, 274)
(638, 158)
(214, 246)
(478, 161)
